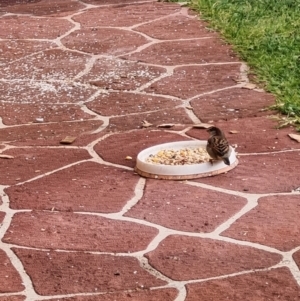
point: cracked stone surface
(76, 222)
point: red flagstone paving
(57, 273)
(71, 231)
(198, 210)
(10, 279)
(76, 222)
(47, 134)
(167, 294)
(129, 103)
(231, 104)
(259, 286)
(85, 187)
(179, 257)
(190, 81)
(25, 27)
(21, 48)
(13, 298)
(254, 135)
(120, 74)
(268, 223)
(32, 162)
(200, 51)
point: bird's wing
(219, 145)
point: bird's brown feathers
(217, 145)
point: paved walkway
(77, 224)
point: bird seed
(185, 156)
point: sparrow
(217, 145)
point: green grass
(266, 34)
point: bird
(218, 146)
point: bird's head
(214, 131)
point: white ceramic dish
(180, 172)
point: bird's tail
(226, 161)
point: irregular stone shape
(2, 214)
(71, 231)
(25, 27)
(47, 134)
(176, 27)
(199, 51)
(57, 273)
(20, 49)
(261, 174)
(44, 92)
(254, 135)
(190, 81)
(27, 113)
(31, 162)
(12, 298)
(53, 64)
(109, 41)
(187, 258)
(269, 223)
(276, 284)
(120, 103)
(232, 103)
(196, 209)
(133, 121)
(167, 294)
(120, 74)
(88, 186)
(41, 7)
(116, 148)
(122, 15)
(11, 281)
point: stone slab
(11, 281)
(196, 51)
(276, 284)
(85, 187)
(272, 173)
(190, 81)
(232, 103)
(121, 103)
(44, 93)
(167, 294)
(196, 209)
(17, 114)
(175, 28)
(274, 222)
(31, 162)
(254, 135)
(132, 143)
(72, 231)
(124, 15)
(53, 64)
(57, 8)
(47, 134)
(135, 121)
(12, 50)
(25, 27)
(109, 41)
(120, 74)
(187, 258)
(12, 298)
(56, 273)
